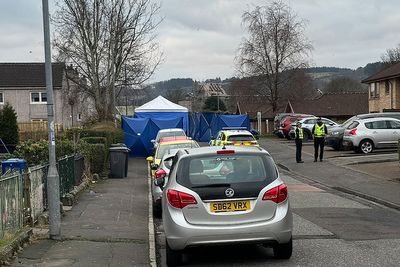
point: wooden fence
(36, 130)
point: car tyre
(157, 211)
(283, 251)
(365, 146)
(306, 136)
(174, 257)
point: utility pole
(53, 182)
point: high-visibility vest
(319, 131)
(300, 135)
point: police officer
(319, 131)
(299, 141)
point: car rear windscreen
(226, 170)
(242, 137)
(171, 134)
(163, 148)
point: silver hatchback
(366, 135)
(217, 196)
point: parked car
(308, 123)
(278, 119)
(172, 132)
(365, 135)
(286, 124)
(161, 173)
(334, 137)
(203, 206)
(165, 145)
(235, 137)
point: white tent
(161, 108)
(160, 104)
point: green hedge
(37, 152)
(95, 140)
(96, 154)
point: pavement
(109, 226)
(348, 179)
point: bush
(95, 140)
(37, 152)
(8, 125)
(95, 154)
(104, 129)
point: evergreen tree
(8, 125)
(211, 104)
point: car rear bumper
(334, 141)
(180, 234)
(347, 144)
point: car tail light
(225, 151)
(353, 131)
(160, 174)
(277, 194)
(180, 200)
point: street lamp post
(53, 182)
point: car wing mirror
(153, 166)
(159, 182)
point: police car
(234, 136)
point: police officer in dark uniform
(319, 132)
(299, 141)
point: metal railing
(24, 196)
(11, 204)
(66, 171)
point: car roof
(233, 132)
(183, 141)
(214, 149)
(171, 130)
(377, 119)
(380, 114)
(174, 138)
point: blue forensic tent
(207, 124)
(138, 133)
(161, 108)
(149, 118)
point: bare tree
(391, 56)
(275, 44)
(175, 95)
(100, 38)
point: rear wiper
(212, 185)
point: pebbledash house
(23, 85)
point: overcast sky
(199, 38)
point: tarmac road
(331, 228)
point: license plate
(230, 206)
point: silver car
(172, 132)
(308, 123)
(218, 196)
(366, 135)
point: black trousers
(299, 146)
(319, 143)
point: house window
(79, 117)
(1, 98)
(372, 90)
(388, 87)
(38, 98)
(377, 88)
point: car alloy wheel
(366, 147)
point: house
(202, 92)
(384, 89)
(23, 85)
